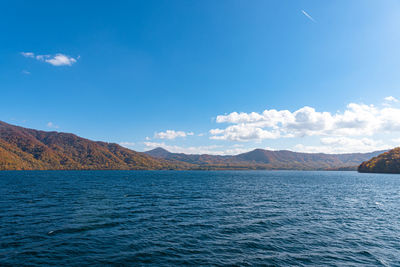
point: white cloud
(356, 120)
(391, 99)
(60, 60)
(211, 150)
(26, 72)
(343, 145)
(52, 125)
(42, 57)
(396, 141)
(307, 15)
(55, 60)
(172, 134)
(242, 132)
(28, 54)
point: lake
(169, 218)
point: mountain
(388, 162)
(158, 152)
(287, 159)
(28, 149)
(267, 159)
(204, 159)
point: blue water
(168, 218)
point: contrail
(307, 15)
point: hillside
(27, 149)
(388, 162)
(269, 160)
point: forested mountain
(388, 162)
(27, 149)
(267, 159)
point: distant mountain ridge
(29, 149)
(267, 159)
(388, 162)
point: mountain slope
(284, 159)
(388, 162)
(197, 159)
(266, 159)
(27, 149)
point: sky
(217, 77)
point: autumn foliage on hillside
(388, 162)
(27, 149)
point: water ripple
(164, 218)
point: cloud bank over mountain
(358, 128)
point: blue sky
(129, 71)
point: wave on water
(157, 218)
